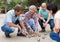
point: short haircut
(18, 7)
(43, 4)
(33, 7)
(53, 7)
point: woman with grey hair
(31, 19)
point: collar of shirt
(30, 14)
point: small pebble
(39, 40)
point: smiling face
(44, 7)
(32, 9)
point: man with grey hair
(31, 19)
(45, 18)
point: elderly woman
(55, 35)
(31, 19)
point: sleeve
(39, 11)
(57, 23)
(20, 18)
(36, 20)
(57, 20)
(8, 17)
(26, 21)
(57, 15)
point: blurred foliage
(25, 3)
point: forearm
(57, 25)
(22, 25)
(42, 19)
(48, 18)
(13, 25)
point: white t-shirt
(57, 19)
(57, 15)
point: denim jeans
(51, 23)
(32, 24)
(55, 36)
(5, 28)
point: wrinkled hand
(56, 30)
(44, 24)
(18, 27)
(24, 31)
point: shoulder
(57, 15)
(27, 13)
(40, 10)
(46, 10)
(10, 12)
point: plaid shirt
(27, 17)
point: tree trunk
(5, 2)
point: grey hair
(43, 4)
(33, 7)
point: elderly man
(11, 20)
(45, 18)
(31, 19)
(55, 35)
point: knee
(52, 25)
(52, 35)
(11, 30)
(2, 28)
(31, 21)
(7, 29)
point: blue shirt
(44, 13)
(10, 17)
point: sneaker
(43, 30)
(20, 34)
(7, 35)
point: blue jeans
(55, 36)
(32, 24)
(51, 23)
(5, 28)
